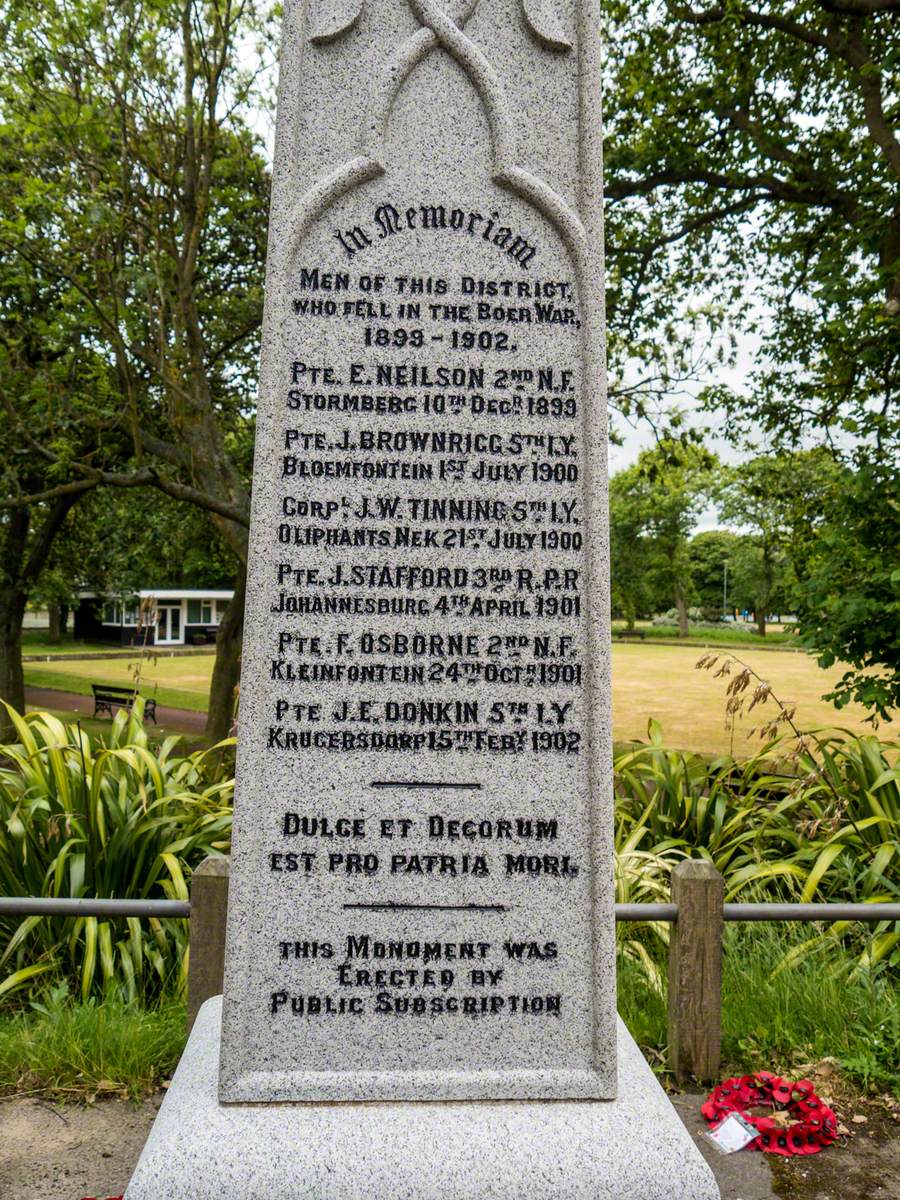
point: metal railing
(32, 906)
(768, 912)
(698, 912)
(35, 906)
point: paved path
(63, 1152)
(181, 720)
(743, 1176)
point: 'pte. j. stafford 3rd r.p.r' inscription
(415, 888)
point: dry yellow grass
(662, 682)
(648, 681)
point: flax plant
(109, 818)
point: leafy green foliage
(121, 819)
(829, 830)
(653, 508)
(848, 596)
(752, 157)
(141, 194)
(114, 819)
(92, 1049)
(785, 1020)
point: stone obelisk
(422, 866)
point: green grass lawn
(662, 682)
(782, 1021)
(648, 681)
(34, 641)
(179, 682)
(724, 634)
(88, 1050)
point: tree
(51, 379)
(657, 502)
(116, 542)
(774, 498)
(752, 148)
(712, 554)
(25, 537)
(144, 194)
(163, 544)
(631, 551)
(848, 594)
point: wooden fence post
(695, 971)
(209, 907)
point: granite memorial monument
(421, 890)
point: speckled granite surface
(633, 1148)
(424, 754)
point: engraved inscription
(416, 826)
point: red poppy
(815, 1124)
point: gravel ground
(52, 1151)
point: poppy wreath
(815, 1124)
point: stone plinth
(632, 1148)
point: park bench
(107, 696)
(628, 633)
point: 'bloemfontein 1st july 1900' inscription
(420, 856)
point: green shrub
(103, 818)
(829, 830)
(117, 819)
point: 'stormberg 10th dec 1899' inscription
(420, 837)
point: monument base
(632, 1148)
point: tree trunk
(54, 635)
(681, 607)
(23, 554)
(13, 599)
(762, 603)
(12, 676)
(227, 669)
(64, 619)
